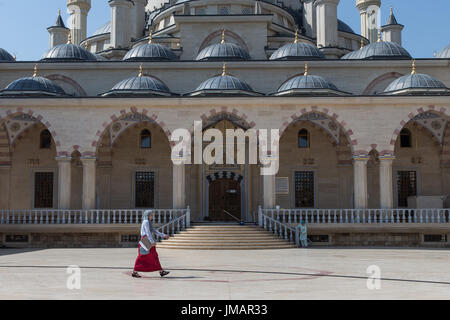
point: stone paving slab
(326, 273)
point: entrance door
(406, 187)
(224, 194)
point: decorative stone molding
(443, 112)
(332, 118)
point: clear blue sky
(23, 23)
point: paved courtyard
(329, 273)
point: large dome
(416, 83)
(106, 28)
(223, 51)
(297, 51)
(5, 56)
(68, 52)
(33, 86)
(379, 50)
(445, 53)
(150, 52)
(342, 26)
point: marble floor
(325, 273)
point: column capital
(88, 158)
(361, 158)
(63, 158)
(387, 158)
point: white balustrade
(107, 216)
(354, 216)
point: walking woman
(147, 260)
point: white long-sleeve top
(148, 230)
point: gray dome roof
(445, 53)
(143, 85)
(308, 85)
(223, 51)
(297, 51)
(224, 84)
(68, 52)
(150, 51)
(342, 26)
(379, 50)
(106, 28)
(307, 82)
(415, 82)
(33, 86)
(5, 56)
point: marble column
(179, 185)
(89, 166)
(64, 182)
(269, 191)
(360, 181)
(386, 183)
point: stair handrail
(272, 225)
(236, 218)
(176, 225)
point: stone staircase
(225, 237)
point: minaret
(327, 27)
(138, 18)
(369, 10)
(58, 32)
(121, 23)
(78, 10)
(392, 31)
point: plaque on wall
(282, 185)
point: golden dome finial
(413, 67)
(379, 35)
(296, 35)
(35, 73)
(69, 40)
(141, 71)
(362, 43)
(223, 36)
(224, 69)
(150, 37)
(306, 69)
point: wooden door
(224, 194)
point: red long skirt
(148, 262)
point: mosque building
(362, 124)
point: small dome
(69, 52)
(444, 54)
(342, 26)
(416, 83)
(5, 56)
(308, 85)
(150, 52)
(307, 82)
(140, 85)
(224, 85)
(223, 51)
(106, 28)
(33, 86)
(379, 50)
(297, 51)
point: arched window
(303, 138)
(45, 140)
(405, 138)
(146, 139)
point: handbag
(146, 245)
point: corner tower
(369, 11)
(78, 10)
